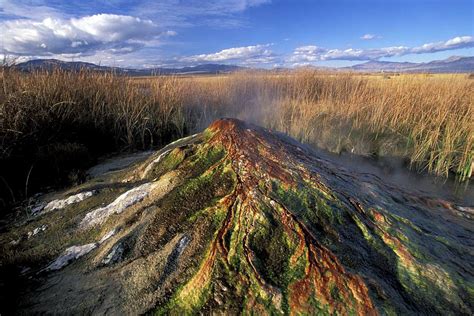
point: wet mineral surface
(239, 219)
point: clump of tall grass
(55, 124)
(425, 119)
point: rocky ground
(238, 219)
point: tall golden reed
(424, 118)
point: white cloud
(241, 54)
(315, 53)
(198, 7)
(368, 37)
(214, 13)
(86, 35)
(307, 53)
(115, 28)
(171, 13)
(235, 5)
(454, 43)
(33, 10)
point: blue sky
(258, 33)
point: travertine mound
(238, 219)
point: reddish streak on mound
(257, 155)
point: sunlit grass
(426, 119)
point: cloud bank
(314, 53)
(246, 54)
(80, 36)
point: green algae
(310, 204)
(203, 159)
(190, 298)
(271, 249)
(170, 162)
(365, 231)
(416, 275)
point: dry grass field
(53, 125)
(425, 118)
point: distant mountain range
(455, 64)
(50, 64)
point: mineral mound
(239, 219)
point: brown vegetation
(54, 124)
(426, 119)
